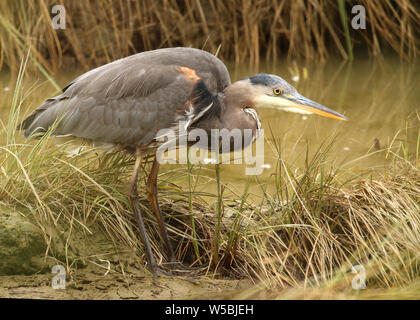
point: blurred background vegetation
(248, 31)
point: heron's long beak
(296, 102)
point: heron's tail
(41, 119)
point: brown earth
(95, 283)
(97, 268)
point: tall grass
(101, 31)
(306, 235)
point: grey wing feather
(128, 100)
(126, 109)
(208, 67)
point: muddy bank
(22, 245)
(93, 283)
(95, 268)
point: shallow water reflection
(380, 99)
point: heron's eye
(277, 91)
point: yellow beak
(299, 102)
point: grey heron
(128, 101)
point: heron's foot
(173, 273)
(177, 266)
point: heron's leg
(152, 194)
(134, 200)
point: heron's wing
(125, 101)
(117, 104)
(208, 67)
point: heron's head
(267, 90)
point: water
(380, 99)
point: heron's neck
(238, 95)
